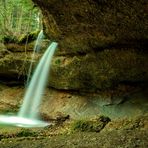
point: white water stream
(28, 114)
(36, 49)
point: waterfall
(28, 114)
(37, 84)
(36, 49)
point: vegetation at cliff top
(18, 17)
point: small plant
(58, 61)
(26, 133)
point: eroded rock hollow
(101, 65)
(102, 43)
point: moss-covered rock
(100, 70)
(27, 38)
(26, 133)
(15, 47)
(95, 125)
(14, 66)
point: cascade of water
(28, 114)
(36, 49)
(37, 84)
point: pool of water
(21, 122)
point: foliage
(26, 133)
(95, 125)
(9, 39)
(28, 37)
(18, 17)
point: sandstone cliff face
(102, 43)
(89, 24)
(15, 62)
(97, 71)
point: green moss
(9, 39)
(26, 133)
(28, 37)
(95, 125)
(58, 61)
(7, 111)
(10, 110)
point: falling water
(28, 114)
(37, 84)
(36, 49)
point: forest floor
(117, 133)
(125, 133)
(115, 139)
